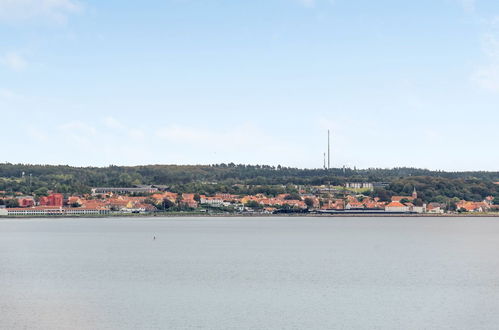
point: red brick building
(52, 200)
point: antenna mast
(328, 151)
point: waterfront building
(472, 206)
(396, 207)
(354, 206)
(435, 208)
(54, 211)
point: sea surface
(249, 273)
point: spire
(414, 193)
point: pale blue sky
(400, 83)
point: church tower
(415, 193)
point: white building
(212, 201)
(418, 209)
(359, 185)
(435, 208)
(53, 211)
(396, 207)
(85, 211)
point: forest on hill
(232, 178)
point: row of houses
(485, 206)
(398, 204)
(107, 200)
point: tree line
(246, 179)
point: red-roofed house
(409, 198)
(473, 206)
(26, 201)
(189, 201)
(354, 205)
(396, 207)
(337, 204)
(435, 208)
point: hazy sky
(400, 83)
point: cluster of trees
(246, 179)
(168, 205)
(9, 202)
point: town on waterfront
(349, 198)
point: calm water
(280, 273)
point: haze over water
(251, 273)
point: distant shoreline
(216, 215)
